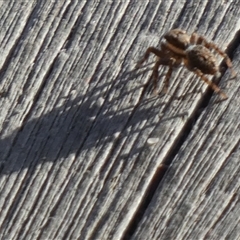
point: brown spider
(193, 51)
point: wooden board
(199, 197)
(83, 142)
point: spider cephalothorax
(193, 51)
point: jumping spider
(193, 51)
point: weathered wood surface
(76, 159)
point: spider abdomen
(199, 57)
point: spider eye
(178, 38)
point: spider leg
(153, 50)
(195, 39)
(211, 84)
(163, 58)
(155, 75)
(167, 78)
(173, 62)
(160, 61)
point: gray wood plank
(77, 123)
(199, 197)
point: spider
(193, 51)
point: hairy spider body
(193, 51)
(201, 58)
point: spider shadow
(132, 75)
(79, 125)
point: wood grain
(82, 139)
